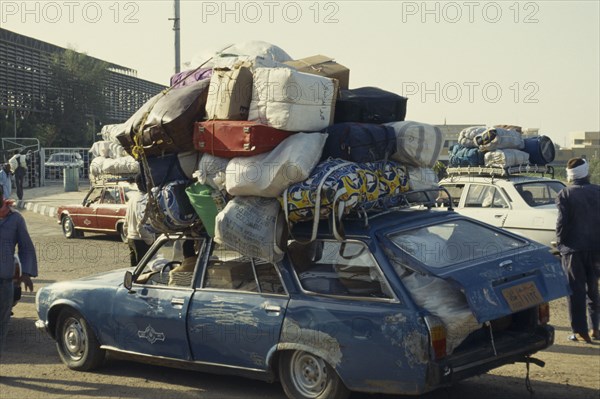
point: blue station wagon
(407, 302)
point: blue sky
(529, 63)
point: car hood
(112, 278)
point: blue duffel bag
(465, 156)
(172, 211)
(540, 149)
(359, 142)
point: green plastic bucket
(201, 198)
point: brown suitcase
(229, 139)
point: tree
(77, 102)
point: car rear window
(453, 242)
(539, 193)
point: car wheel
(304, 375)
(76, 343)
(68, 228)
(122, 232)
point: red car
(102, 211)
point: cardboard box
(323, 66)
(229, 94)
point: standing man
(5, 182)
(139, 239)
(13, 233)
(577, 232)
(18, 164)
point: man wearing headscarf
(577, 232)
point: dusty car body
(521, 204)
(101, 211)
(330, 318)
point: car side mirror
(128, 280)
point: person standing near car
(5, 182)
(18, 164)
(577, 232)
(138, 238)
(13, 234)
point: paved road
(32, 369)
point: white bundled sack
(110, 132)
(211, 171)
(96, 166)
(290, 100)
(109, 166)
(466, 137)
(116, 151)
(417, 144)
(498, 139)
(257, 53)
(126, 165)
(253, 226)
(506, 158)
(441, 299)
(269, 174)
(422, 178)
(100, 149)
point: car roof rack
(109, 178)
(496, 171)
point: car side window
(94, 196)
(338, 268)
(483, 196)
(455, 191)
(229, 270)
(111, 196)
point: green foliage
(77, 102)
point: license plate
(522, 296)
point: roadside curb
(42, 209)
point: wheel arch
(56, 309)
(273, 357)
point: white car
(516, 202)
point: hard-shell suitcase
(229, 139)
(359, 142)
(369, 105)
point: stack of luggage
(252, 142)
(110, 158)
(500, 146)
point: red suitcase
(229, 139)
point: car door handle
(506, 264)
(272, 308)
(498, 216)
(177, 301)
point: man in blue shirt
(13, 233)
(5, 180)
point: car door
(151, 318)
(485, 202)
(85, 215)
(110, 210)
(236, 315)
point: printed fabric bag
(359, 142)
(417, 144)
(267, 175)
(253, 226)
(340, 186)
(169, 208)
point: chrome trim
(171, 359)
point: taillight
(544, 313)
(437, 336)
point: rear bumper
(480, 360)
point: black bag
(359, 142)
(369, 105)
(169, 124)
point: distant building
(25, 80)
(580, 144)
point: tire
(306, 376)
(122, 234)
(76, 343)
(68, 228)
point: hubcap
(68, 226)
(74, 339)
(309, 374)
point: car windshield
(539, 193)
(452, 242)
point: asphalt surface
(46, 200)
